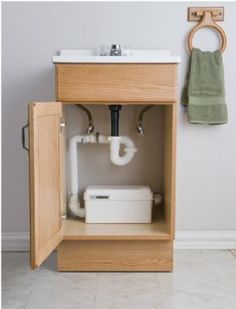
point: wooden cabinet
(45, 179)
(116, 83)
(99, 247)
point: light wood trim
(63, 167)
(56, 83)
(115, 83)
(45, 179)
(44, 252)
(196, 13)
(120, 103)
(79, 230)
(170, 167)
(118, 255)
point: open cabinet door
(46, 192)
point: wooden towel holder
(207, 18)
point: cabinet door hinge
(62, 124)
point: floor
(202, 279)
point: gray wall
(33, 32)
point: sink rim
(139, 56)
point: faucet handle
(115, 50)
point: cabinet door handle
(23, 137)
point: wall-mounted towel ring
(207, 21)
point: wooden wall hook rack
(207, 17)
(196, 13)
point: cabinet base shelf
(79, 230)
(115, 255)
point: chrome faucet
(115, 50)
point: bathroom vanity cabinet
(99, 247)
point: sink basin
(138, 56)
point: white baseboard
(15, 241)
(184, 240)
(205, 240)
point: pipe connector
(130, 150)
(74, 206)
(82, 139)
(91, 128)
(140, 129)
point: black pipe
(115, 113)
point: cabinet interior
(151, 166)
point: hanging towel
(204, 91)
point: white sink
(138, 56)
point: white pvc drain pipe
(115, 143)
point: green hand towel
(204, 91)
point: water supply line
(90, 129)
(139, 127)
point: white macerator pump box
(118, 204)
